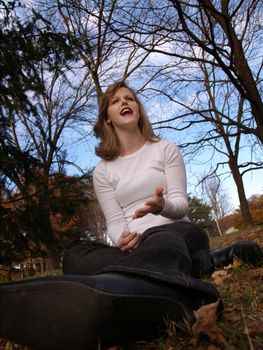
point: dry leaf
(236, 263)
(205, 324)
(220, 276)
(232, 316)
(254, 273)
(212, 347)
(228, 267)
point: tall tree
(217, 199)
(214, 117)
(200, 214)
(26, 45)
(229, 32)
(104, 58)
(213, 71)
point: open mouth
(126, 112)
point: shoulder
(170, 152)
(100, 170)
(167, 146)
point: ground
(241, 325)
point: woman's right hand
(128, 241)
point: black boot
(76, 312)
(246, 251)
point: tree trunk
(246, 84)
(53, 263)
(244, 207)
(218, 227)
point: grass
(242, 293)
(240, 326)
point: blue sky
(83, 154)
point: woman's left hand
(154, 205)
(128, 241)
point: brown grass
(242, 293)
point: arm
(176, 201)
(116, 223)
(174, 204)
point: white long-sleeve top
(126, 183)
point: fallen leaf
(220, 276)
(205, 324)
(254, 273)
(236, 263)
(212, 347)
(228, 267)
(232, 316)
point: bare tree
(215, 117)
(213, 78)
(217, 199)
(229, 32)
(104, 55)
(66, 106)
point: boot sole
(77, 312)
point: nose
(124, 101)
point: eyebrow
(125, 96)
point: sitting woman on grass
(113, 295)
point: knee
(76, 257)
(201, 264)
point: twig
(251, 347)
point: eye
(114, 101)
(130, 98)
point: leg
(198, 245)
(88, 258)
(76, 312)
(204, 260)
(247, 251)
(196, 241)
(154, 279)
(166, 253)
(183, 240)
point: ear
(108, 121)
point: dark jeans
(156, 280)
(176, 249)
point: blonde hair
(109, 146)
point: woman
(135, 166)
(121, 293)
(140, 184)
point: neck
(131, 142)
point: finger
(151, 202)
(145, 210)
(137, 242)
(126, 240)
(124, 237)
(159, 192)
(131, 238)
(139, 213)
(133, 243)
(129, 246)
(125, 234)
(134, 247)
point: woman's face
(123, 110)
